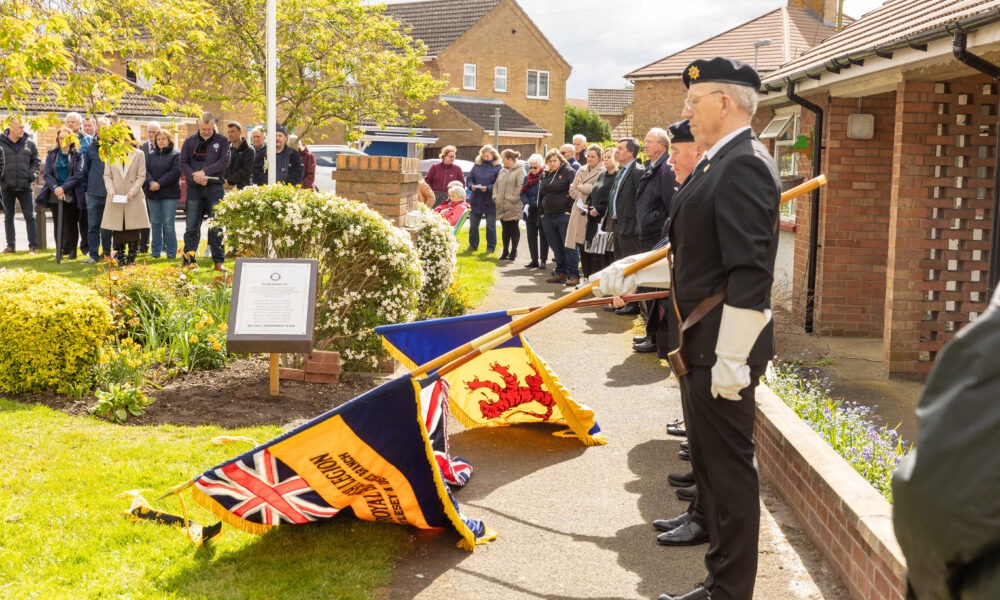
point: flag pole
(599, 301)
(494, 338)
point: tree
(587, 122)
(338, 62)
(63, 52)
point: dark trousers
(10, 200)
(538, 246)
(97, 239)
(720, 433)
(83, 226)
(510, 234)
(555, 227)
(200, 205)
(68, 236)
(592, 263)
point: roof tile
(438, 23)
(609, 101)
(481, 110)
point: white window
(469, 77)
(499, 79)
(538, 84)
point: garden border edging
(841, 513)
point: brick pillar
(909, 224)
(387, 184)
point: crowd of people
(118, 211)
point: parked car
(326, 163)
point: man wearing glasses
(723, 231)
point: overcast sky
(604, 39)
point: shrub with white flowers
(369, 272)
(438, 249)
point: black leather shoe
(646, 346)
(687, 493)
(681, 479)
(676, 428)
(685, 445)
(609, 308)
(688, 534)
(671, 524)
(639, 339)
(532, 265)
(629, 309)
(698, 593)
(684, 454)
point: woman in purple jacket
(442, 173)
(480, 183)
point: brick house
(494, 57)
(615, 107)
(767, 41)
(905, 244)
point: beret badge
(693, 73)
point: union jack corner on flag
(371, 457)
(506, 385)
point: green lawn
(63, 533)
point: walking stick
(59, 232)
(494, 338)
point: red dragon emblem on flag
(513, 395)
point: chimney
(826, 10)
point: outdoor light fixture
(756, 50)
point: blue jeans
(566, 259)
(24, 197)
(162, 214)
(491, 231)
(201, 201)
(97, 237)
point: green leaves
(119, 402)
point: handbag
(603, 241)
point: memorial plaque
(273, 305)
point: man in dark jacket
(946, 502)
(93, 177)
(620, 217)
(241, 159)
(20, 167)
(204, 158)
(289, 167)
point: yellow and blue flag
(506, 385)
(371, 456)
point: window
(784, 129)
(499, 79)
(538, 84)
(469, 77)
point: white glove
(525, 212)
(614, 282)
(738, 332)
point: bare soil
(235, 396)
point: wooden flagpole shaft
(502, 334)
(599, 301)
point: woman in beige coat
(125, 210)
(576, 231)
(507, 197)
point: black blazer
(652, 202)
(722, 230)
(626, 224)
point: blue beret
(721, 70)
(280, 129)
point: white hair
(582, 138)
(536, 159)
(73, 115)
(744, 96)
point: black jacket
(21, 163)
(241, 160)
(624, 210)
(72, 185)
(93, 170)
(598, 198)
(290, 169)
(722, 228)
(652, 201)
(163, 167)
(553, 192)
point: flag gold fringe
(468, 541)
(398, 354)
(229, 518)
(560, 393)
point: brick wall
(658, 103)
(842, 514)
(388, 184)
(854, 220)
(942, 207)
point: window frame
(548, 84)
(466, 75)
(497, 78)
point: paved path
(574, 522)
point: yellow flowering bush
(52, 331)
(369, 272)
